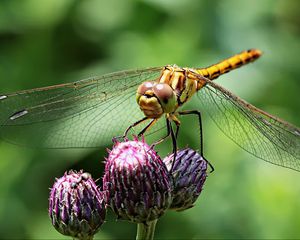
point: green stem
(145, 231)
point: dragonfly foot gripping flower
(76, 206)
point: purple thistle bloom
(76, 206)
(189, 174)
(136, 182)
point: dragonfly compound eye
(144, 87)
(166, 96)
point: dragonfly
(89, 112)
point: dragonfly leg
(209, 164)
(163, 138)
(129, 128)
(170, 131)
(195, 112)
(153, 121)
(177, 130)
(174, 142)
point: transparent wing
(261, 134)
(87, 113)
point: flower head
(76, 206)
(136, 182)
(189, 174)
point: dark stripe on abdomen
(236, 61)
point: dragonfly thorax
(155, 99)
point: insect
(87, 113)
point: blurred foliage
(54, 41)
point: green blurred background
(46, 42)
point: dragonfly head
(155, 99)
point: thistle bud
(137, 183)
(189, 174)
(76, 206)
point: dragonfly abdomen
(228, 64)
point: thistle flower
(189, 174)
(76, 206)
(136, 182)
